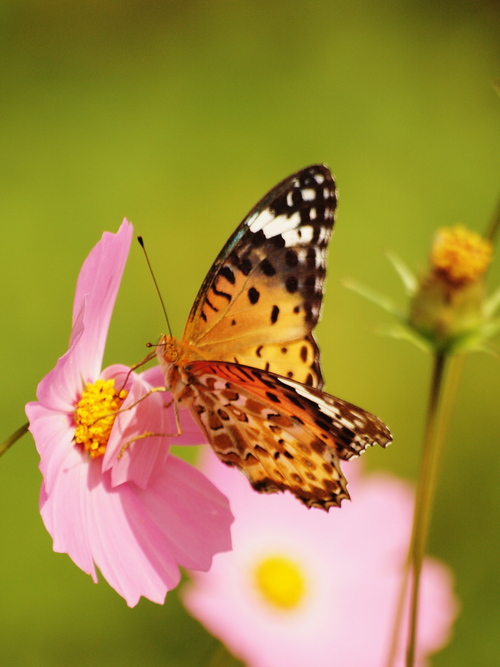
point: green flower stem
(443, 391)
(431, 455)
(442, 397)
(400, 607)
(13, 438)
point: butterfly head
(173, 354)
(168, 350)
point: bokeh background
(180, 116)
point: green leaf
(401, 332)
(378, 299)
(408, 278)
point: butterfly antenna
(141, 243)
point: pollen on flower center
(280, 581)
(95, 414)
(459, 255)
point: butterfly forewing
(280, 433)
(262, 297)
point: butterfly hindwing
(266, 285)
(280, 433)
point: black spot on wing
(244, 264)
(258, 238)
(311, 258)
(291, 258)
(227, 273)
(277, 242)
(246, 373)
(253, 295)
(225, 295)
(210, 305)
(267, 268)
(291, 284)
(310, 284)
(269, 383)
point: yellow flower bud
(460, 256)
(449, 302)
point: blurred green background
(180, 116)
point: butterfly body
(248, 366)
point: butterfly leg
(146, 434)
(149, 434)
(149, 357)
(177, 418)
(132, 405)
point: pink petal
(61, 388)
(142, 457)
(96, 291)
(53, 434)
(127, 547)
(192, 510)
(137, 538)
(65, 512)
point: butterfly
(248, 364)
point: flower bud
(448, 305)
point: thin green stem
(442, 395)
(13, 438)
(421, 518)
(400, 608)
(423, 499)
(441, 401)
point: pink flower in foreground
(123, 505)
(302, 587)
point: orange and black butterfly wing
(262, 297)
(282, 434)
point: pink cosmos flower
(111, 497)
(302, 587)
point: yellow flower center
(95, 414)
(459, 255)
(281, 582)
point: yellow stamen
(95, 414)
(459, 255)
(281, 582)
